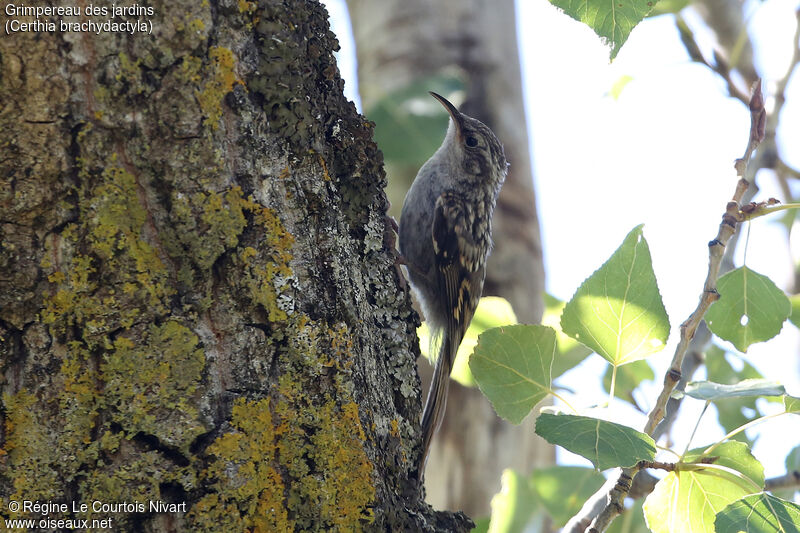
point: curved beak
(455, 114)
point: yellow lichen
(246, 7)
(151, 381)
(130, 72)
(190, 69)
(114, 219)
(248, 489)
(266, 277)
(338, 451)
(249, 492)
(197, 25)
(220, 80)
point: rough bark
(198, 299)
(398, 42)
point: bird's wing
(459, 262)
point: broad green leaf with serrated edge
(688, 500)
(751, 308)
(513, 506)
(491, 312)
(617, 311)
(791, 404)
(605, 444)
(564, 489)
(759, 513)
(611, 20)
(708, 390)
(570, 352)
(512, 366)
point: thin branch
(716, 248)
(658, 465)
(790, 480)
(603, 506)
(720, 66)
(644, 483)
(695, 358)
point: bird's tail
(437, 397)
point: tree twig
(720, 65)
(790, 480)
(615, 497)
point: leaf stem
(613, 383)
(735, 473)
(768, 210)
(563, 400)
(697, 425)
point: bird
(445, 237)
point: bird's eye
(471, 141)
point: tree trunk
(198, 298)
(400, 42)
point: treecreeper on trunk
(445, 238)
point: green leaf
(492, 311)
(512, 366)
(409, 123)
(720, 370)
(687, 500)
(734, 455)
(628, 378)
(617, 311)
(564, 489)
(751, 308)
(612, 20)
(570, 351)
(794, 317)
(481, 525)
(708, 390)
(513, 506)
(791, 404)
(605, 444)
(759, 513)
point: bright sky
(661, 154)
